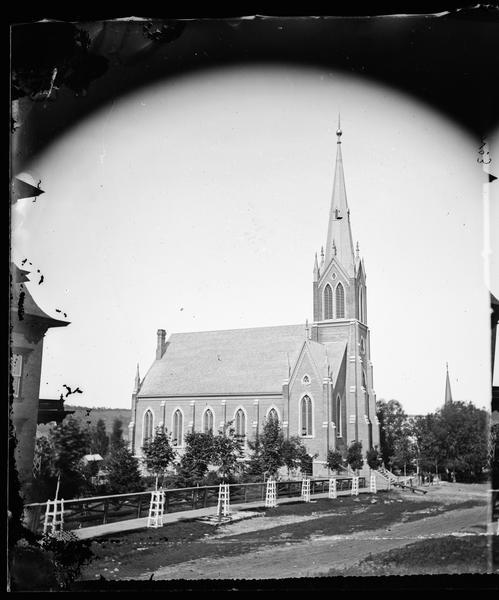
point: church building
(316, 379)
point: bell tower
(340, 314)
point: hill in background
(89, 417)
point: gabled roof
(234, 361)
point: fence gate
(355, 486)
(372, 484)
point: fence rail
(98, 510)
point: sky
(198, 204)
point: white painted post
(333, 493)
(372, 486)
(223, 500)
(355, 486)
(156, 509)
(305, 490)
(54, 517)
(271, 494)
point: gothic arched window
(306, 415)
(148, 424)
(178, 428)
(208, 421)
(328, 302)
(339, 425)
(240, 423)
(272, 415)
(340, 301)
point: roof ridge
(238, 329)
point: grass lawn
(445, 555)
(132, 554)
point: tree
(267, 455)
(123, 470)
(293, 453)
(227, 452)
(71, 443)
(392, 426)
(453, 441)
(158, 453)
(334, 460)
(117, 433)
(99, 439)
(354, 456)
(44, 477)
(404, 453)
(198, 455)
(373, 458)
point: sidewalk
(134, 524)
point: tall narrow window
(339, 424)
(361, 306)
(208, 421)
(306, 416)
(148, 423)
(328, 302)
(340, 301)
(273, 416)
(178, 425)
(17, 370)
(240, 423)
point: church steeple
(339, 235)
(448, 393)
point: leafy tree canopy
(158, 453)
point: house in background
(28, 326)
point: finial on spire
(322, 251)
(137, 379)
(334, 248)
(339, 133)
(357, 249)
(306, 328)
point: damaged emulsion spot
(20, 304)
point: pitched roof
(335, 352)
(233, 361)
(22, 303)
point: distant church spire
(448, 393)
(339, 232)
(137, 380)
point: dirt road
(318, 555)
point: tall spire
(316, 268)
(448, 393)
(339, 217)
(137, 380)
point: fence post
(205, 497)
(193, 499)
(104, 516)
(245, 494)
(139, 507)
